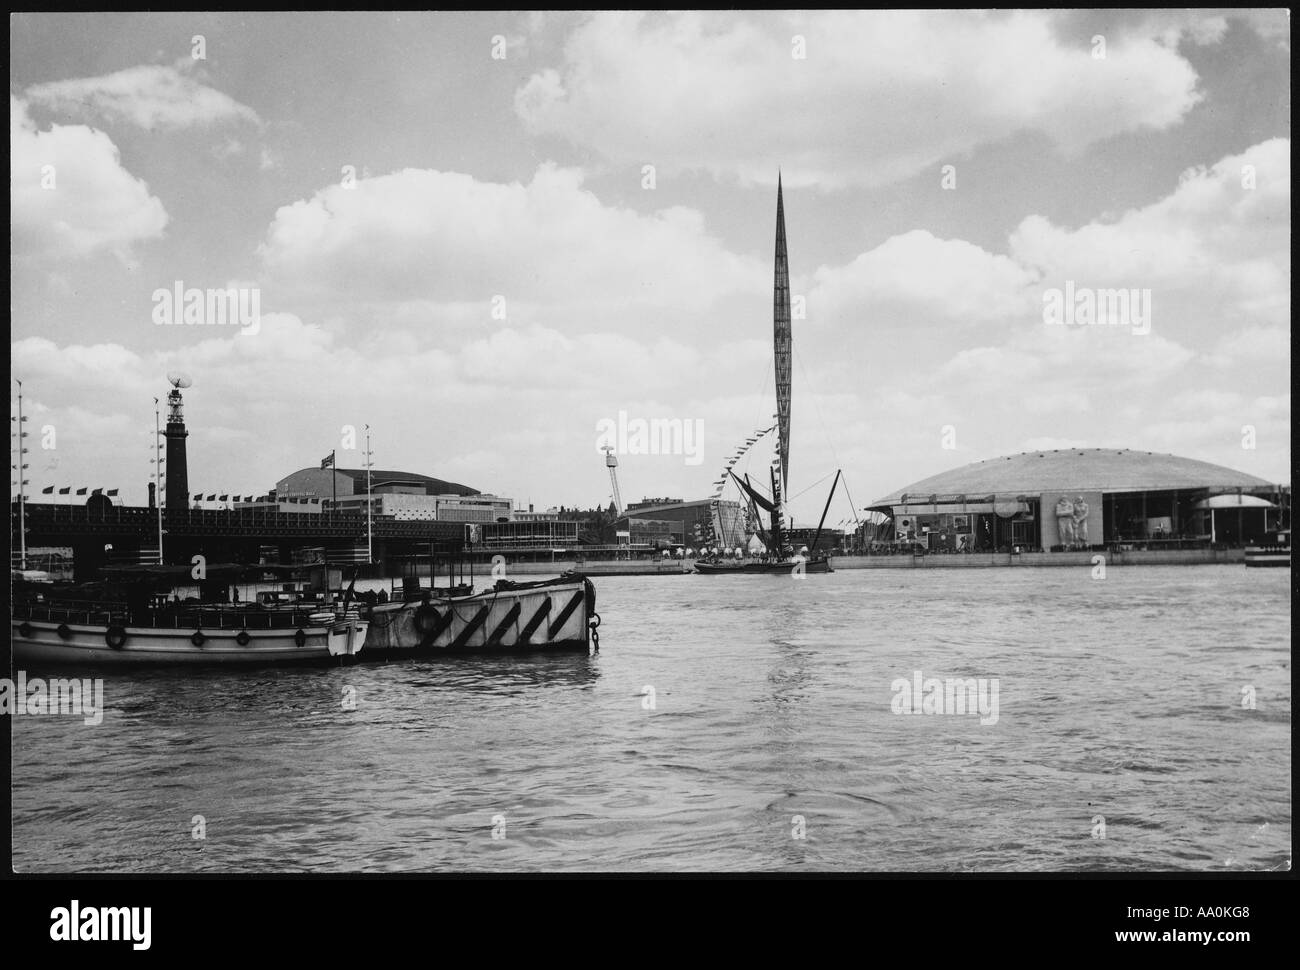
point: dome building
(1084, 498)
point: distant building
(393, 494)
(1084, 497)
(531, 533)
(672, 521)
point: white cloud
(946, 277)
(452, 240)
(93, 203)
(723, 93)
(1214, 253)
(152, 97)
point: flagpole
(158, 496)
(334, 482)
(370, 541)
(22, 494)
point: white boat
(131, 622)
(75, 636)
(553, 614)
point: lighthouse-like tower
(178, 479)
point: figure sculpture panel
(1065, 521)
(1081, 520)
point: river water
(727, 723)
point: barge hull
(41, 642)
(549, 616)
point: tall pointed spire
(782, 340)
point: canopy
(1232, 500)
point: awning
(1232, 500)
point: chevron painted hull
(549, 615)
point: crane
(612, 463)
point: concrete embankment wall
(603, 568)
(1171, 557)
(1148, 557)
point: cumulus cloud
(1214, 250)
(244, 437)
(947, 277)
(71, 196)
(660, 88)
(452, 239)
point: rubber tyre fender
(115, 637)
(426, 618)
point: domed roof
(1076, 469)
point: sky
(489, 235)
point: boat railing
(95, 613)
(217, 619)
(89, 612)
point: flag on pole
(327, 461)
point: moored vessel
(1275, 550)
(136, 616)
(551, 614)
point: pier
(100, 532)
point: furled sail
(756, 497)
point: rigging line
(812, 486)
(761, 394)
(850, 498)
(820, 416)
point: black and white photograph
(738, 442)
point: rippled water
(1119, 698)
